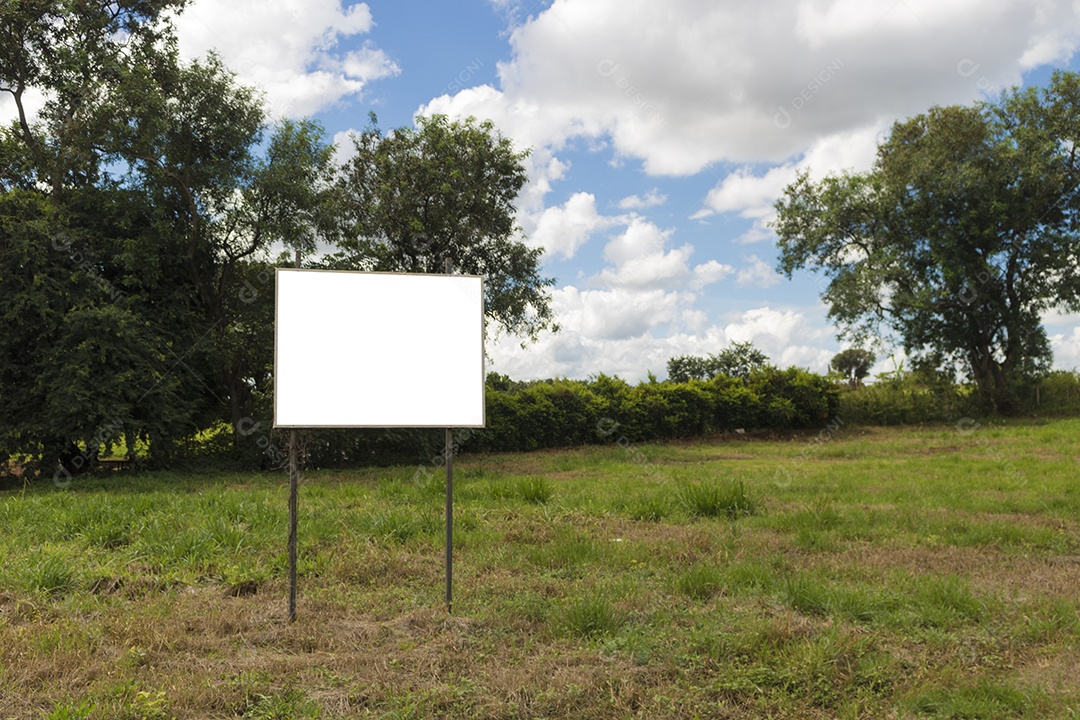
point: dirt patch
(1056, 674)
(1013, 576)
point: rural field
(928, 572)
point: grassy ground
(856, 573)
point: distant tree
(446, 189)
(854, 364)
(958, 239)
(688, 367)
(739, 360)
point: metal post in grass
(449, 453)
(449, 521)
(294, 492)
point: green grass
(711, 499)
(918, 573)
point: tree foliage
(140, 210)
(445, 190)
(738, 360)
(137, 212)
(854, 364)
(960, 236)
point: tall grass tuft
(649, 508)
(534, 490)
(700, 582)
(592, 616)
(983, 700)
(945, 601)
(48, 573)
(729, 499)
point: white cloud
(287, 47)
(642, 260)
(752, 196)
(786, 336)
(757, 273)
(587, 343)
(650, 199)
(33, 102)
(1066, 349)
(561, 230)
(641, 239)
(708, 273)
(684, 85)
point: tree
(961, 234)
(854, 364)
(137, 212)
(445, 190)
(738, 360)
(70, 51)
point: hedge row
(561, 413)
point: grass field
(856, 573)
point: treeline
(912, 398)
(144, 201)
(523, 416)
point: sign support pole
(449, 453)
(449, 522)
(294, 483)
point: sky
(661, 134)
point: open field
(867, 573)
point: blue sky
(661, 134)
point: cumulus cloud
(642, 260)
(288, 47)
(757, 273)
(752, 195)
(788, 337)
(1066, 349)
(650, 199)
(587, 345)
(684, 85)
(562, 229)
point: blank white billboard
(359, 349)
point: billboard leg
(449, 452)
(293, 493)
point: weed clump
(48, 574)
(534, 490)
(592, 617)
(730, 499)
(700, 582)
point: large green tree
(443, 190)
(958, 238)
(71, 53)
(138, 211)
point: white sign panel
(358, 349)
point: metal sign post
(294, 492)
(449, 521)
(449, 452)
